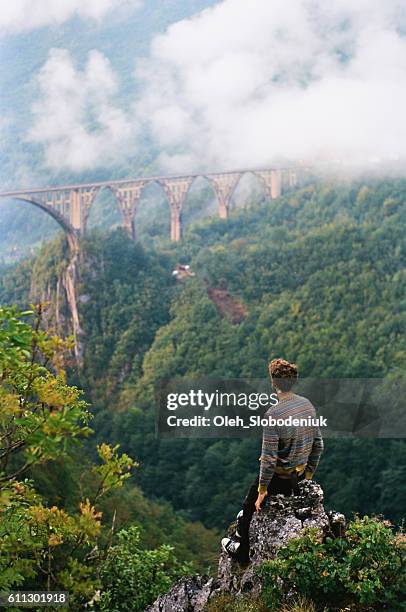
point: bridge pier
(129, 226)
(176, 190)
(80, 202)
(272, 182)
(224, 186)
(176, 223)
(276, 184)
(128, 198)
(292, 178)
(75, 212)
(224, 209)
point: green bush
(301, 604)
(132, 577)
(245, 603)
(366, 568)
(232, 603)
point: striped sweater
(288, 448)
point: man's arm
(269, 456)
(315, 454)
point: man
(289, 454)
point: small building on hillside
(181, 272)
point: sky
(234, 85)
(18, 16)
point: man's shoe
(230, 546)
(234, 550)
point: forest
(317, 276)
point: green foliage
(42, 419)
(127, 294)
(41, 416)
(365, 568)
(299, 604)
(114, 469)
(159, 523)
(132, 577)
(233, 603)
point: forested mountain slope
(320, 274)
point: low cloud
(75, 116)
(240, 85)
(245, 84)
(21, 15)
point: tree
(43, 419)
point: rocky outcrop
(282, 519)
(70, 280)
(190, 594)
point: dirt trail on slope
(227, 305)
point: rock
(190, 594)
(281, 519)
(338, 524)
(84, 298)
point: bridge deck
(139, 179)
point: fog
(240, 85)
(249, 84)
(76, 118)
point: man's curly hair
(283, 373)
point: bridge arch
(104, 208)
(152, 211)
(249, 189)
(70, 232)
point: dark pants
(285, 486)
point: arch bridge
(70, 205)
